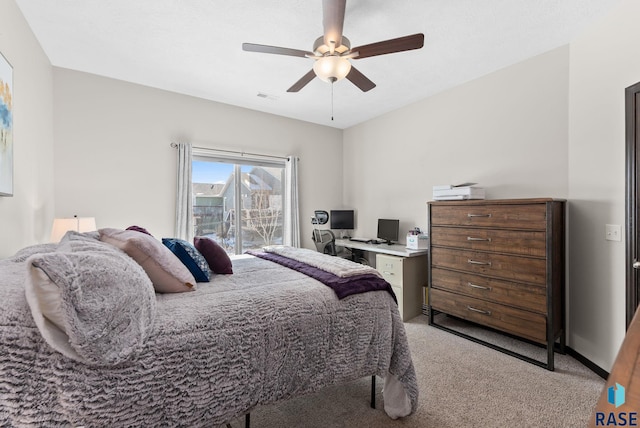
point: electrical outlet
(612, 232)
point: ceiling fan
(332, 51)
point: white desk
(405, 270)
(394, 249)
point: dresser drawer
(526, 243)
(524, 296)
(532, 217)
(514, 268)
(522, 323)
(391, 268)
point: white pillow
(167, 272)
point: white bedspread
(262, 335)
(336, 265)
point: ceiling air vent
(267, 96)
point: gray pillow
(26, 252)
(90, 301)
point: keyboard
(365, 240)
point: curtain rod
(175, 146)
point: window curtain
(291, 213)
(184, 194)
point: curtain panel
(184, 193)
(291, 212)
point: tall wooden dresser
(500, 264)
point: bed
(127, 355)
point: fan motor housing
(320, 49)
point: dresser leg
(550, 356)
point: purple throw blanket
(343, 287)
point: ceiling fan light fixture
(331, 68)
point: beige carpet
(462, 384)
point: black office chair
(325, 241)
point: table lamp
(79, 224)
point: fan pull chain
(331, 101)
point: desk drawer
(391, 269)
(531, 217)
(504, 318)
(526, 243)
(529, 297)
(513, 268)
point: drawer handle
(479, 215)
(476, 262)
(469, 238)
(387, 272)
(482, 287)
(480, 311)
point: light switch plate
(612, 232)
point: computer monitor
(342, 219)
(388, 230)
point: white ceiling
(194, 46)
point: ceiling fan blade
(333, 22)
(360, 80)
(250, 47)
(406, 43)
(302, 82)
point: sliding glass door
(238, 203)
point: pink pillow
(166, 271)
(216, 256)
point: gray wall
(604, 62)
(506, 131)
(26, 217)
(114, 161)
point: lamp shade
(78, 224)
(331, 68)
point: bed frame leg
(247, 422)
(373, 391)
(247, 417)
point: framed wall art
(6, 127)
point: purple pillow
(214, 254)
(139, 229)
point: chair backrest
(320, 217)
(325, 241)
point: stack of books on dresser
(457, 192)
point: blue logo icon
(615, 395)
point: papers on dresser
(457, 193)
(452, 186)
